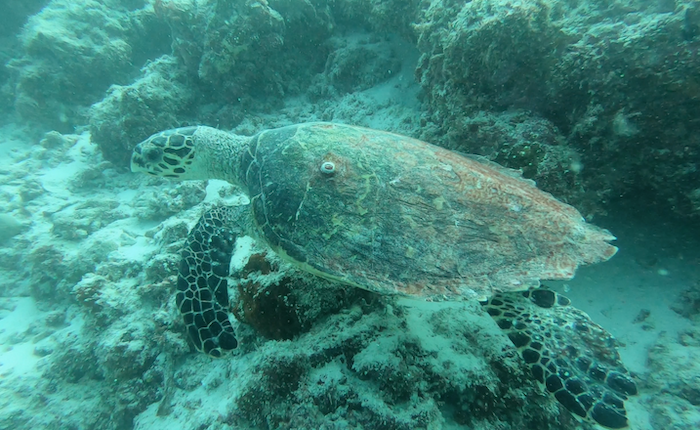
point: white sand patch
(418, 310)
(220, 382)
(12, 146)
(219, 192)
(142, 249)
(127, 195)
(241, 253)
(18, 358)
(54, 180)
(647, 274)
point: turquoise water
(596, 102)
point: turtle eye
(152, 154)
(327, 168)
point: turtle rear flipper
(202, 295)
(573, 358)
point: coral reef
(598, 87)
(160, 205)
(673, 375)
(605, 76)
(592, 100)
(248, 55)
(15, 15)
(358, 63)
(161, 98)
(373, 368)
(231, 61)
(379, 16)
(73, 51)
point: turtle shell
(393, 214)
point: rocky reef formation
(593, 101)
(613, 80)
(71, 52)
(673, 375)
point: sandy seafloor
(659, 259)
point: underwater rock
(10, 227)
(159, 205)
(71, 53)
(377, 369)
(231, 60)
(688, 303)
(379, 16)
(359, 64)
(673, 370)
(606, 82)
(280, 303)
(128, 113)
(253, 52)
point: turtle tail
(574, 359)
(202, 295)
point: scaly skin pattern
(190, 153)
(573, 358)
(397, 215)
(202, 285)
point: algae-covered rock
(382, 17)
(407, 367)
(161, 97)
(605, 75)
(15, 15)
(625, 91)
(674, 376)
(71, 53)
(359, 63)
(280, 303)
(256, 53)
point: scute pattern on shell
(402, 216)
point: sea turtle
(392, 214)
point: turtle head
(188, 153)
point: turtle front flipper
(202, 295)
(575, 359)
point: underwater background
(596, 101)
